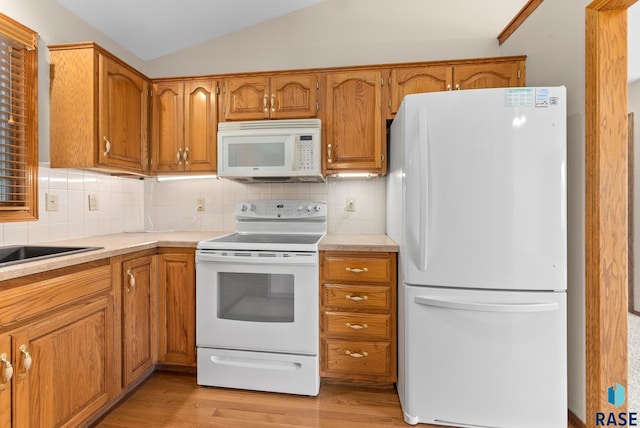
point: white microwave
(270, 151)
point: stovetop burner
(274, 225)
(266, 238)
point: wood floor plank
(173, 400)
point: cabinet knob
(273, 102)
(179, 156)
(264, 103)
(357, 270)
(329, 153)
(185, 156)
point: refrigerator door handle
(487, 307)
(423, 166)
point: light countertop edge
(113, 245)
(124, 243)
(353, 242)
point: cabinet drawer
(356, 297)
(357, 326)
(28, 296)
(354, 268)
(347, 358)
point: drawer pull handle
(7, 373)
(132, 281)
(356, 354)
(356, 298)
(356, 326)
(107, 145)
(357, 270)
(26, 361)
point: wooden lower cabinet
(177, 307)
(63, 367)
(139, 302)
(358, 316)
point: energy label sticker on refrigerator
(542, 97)
(519, 97)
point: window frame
(28, 38)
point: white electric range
(257, 302)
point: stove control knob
(309, 208)
(243, 207)
(252, 207)
(316, 208)
(299, 208)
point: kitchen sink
(15, 254)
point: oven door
(257, 301)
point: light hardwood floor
(174, 400)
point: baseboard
(575, 422)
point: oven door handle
(257, 258)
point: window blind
(14, 155)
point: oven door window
(256, 297)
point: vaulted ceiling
(153, 28)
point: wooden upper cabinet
(455, 75)
(488, 75)
(418, 79)
(287, 96)
(99, 109)
(124, 113)
(184, 120)
(354, 122)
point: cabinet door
(123, 110)
(167, 126)
(138, 317)
(293, 96)
(415, 80)
(200, 126)
(72, 367)
(177, 313)
(246, 98)
(5, 381)
(488, 75)
(355, 126)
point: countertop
(123, 243)
(350, 242)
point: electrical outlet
(52, 202)
(351, 204)
(93, 202)
(200, 204)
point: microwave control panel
(306, 153)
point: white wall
(553, 39)
(338, 33)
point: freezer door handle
(423, 166)
(487, 307)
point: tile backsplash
(135, 205)
(171, 205)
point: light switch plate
(93, 202)
(51, 202)
(200, 204)
(351, 204)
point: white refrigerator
(476, 199)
